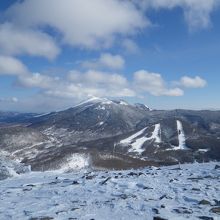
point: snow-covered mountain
(113, 134)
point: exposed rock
(42, 218)
(105, 181)
(165, 196)
(217, 202)
(215, 210)
(75, 182)
(159, 218)
(196, 189)
(204, 202)
(205, 218)
(183, 210)
(217, 167)
(156, 211)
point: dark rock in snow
(204, 202)
(215, 210)
(205, 218)
(159, 218)
(183, 210)
(217, 167)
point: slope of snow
(44, 114)
(10, 168)
(95, 100)
(181, 137)
(169, 192)
(203, 150)
(137, 145)
(75, 162)
(157, 134)
(150, 109)
(132, 137)
(123, 103)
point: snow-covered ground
(191, 191)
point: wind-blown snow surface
(167, 192)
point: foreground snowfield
(166, 192)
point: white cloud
(93, 77)
(99, 84)
(9, 100)
(88, 24)
(79, 85)
(196, 12)
(154, 84)
(112, 61)
(16, 41)
(84, 23)
(130, 46)
(189, 82)
(106, 60)
(38, 80)
(11, 66)
(80, 92)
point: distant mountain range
(112, 134)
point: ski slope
(136, 146)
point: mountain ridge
(98, 126)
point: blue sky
(54, 54)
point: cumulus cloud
(16, 41)
(190, 82)
(38, 80)
(97, 77)
(79, 92)
(84, 23)
(12, 66)
(79, 85)
(106, 60)
(154, 84)
(100, 83)
(76, 86)
(88, 24)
